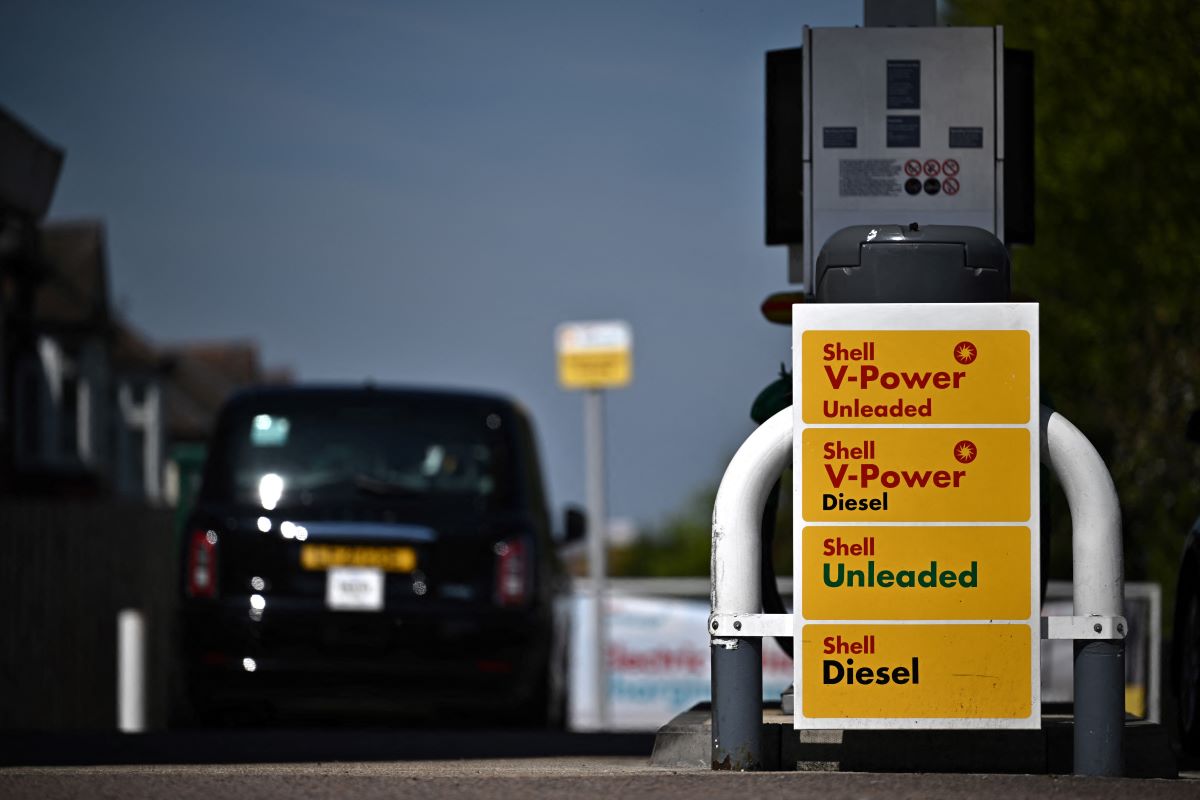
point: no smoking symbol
(932, 167)
(912, 168)
(950, 186)
(950, 167)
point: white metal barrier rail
(737, 624)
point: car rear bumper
(435, 659)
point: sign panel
(594, 355)
(935, 572)
(885, 377)
(925, 672)
(658, 658)
(912, 475)
(916, 537)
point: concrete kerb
(685, 742)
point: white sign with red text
(658, 662)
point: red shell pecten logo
(965, 352)
(965, 451)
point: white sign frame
(915, 317)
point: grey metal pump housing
(912, 264)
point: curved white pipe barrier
(737, 516)
(1099, 585)
(737, 589)
(1096, 554)
(1098, 575)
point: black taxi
(378, 550)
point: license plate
(354, 589)
(387, 559)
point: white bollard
(131, 671)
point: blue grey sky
(418, 192)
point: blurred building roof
(203, 376)
(75, 292)
(29, 167)
(236, 361)
(196, 378)
(133, 352)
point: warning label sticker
(904, 131)
(868, 177)
(966, 137)
(903, 84)
(840, 137)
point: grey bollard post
(737, 704)
(737, 589)
(1099, 708)
(1099, 587)
(131, 671)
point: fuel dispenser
(868, 126)
(897, 264)
(927, 128)
(899, 169)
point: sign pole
(593, 426)
(594, 356)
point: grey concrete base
(685, 742)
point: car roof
(305, 393)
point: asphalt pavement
(606, 778)
(307, 745)
(291, 764)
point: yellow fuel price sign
(916, 475)
(915, 572)
(916, 536)
(918, 672)
(915, 376)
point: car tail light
(512, 572)
(202, 564)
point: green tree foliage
(678, 547)
(1116, 266)
(681, 546)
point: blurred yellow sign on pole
(594, 355)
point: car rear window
(332, 451)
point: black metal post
(737, 704)
(1099, 707)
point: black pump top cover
(912, 264)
